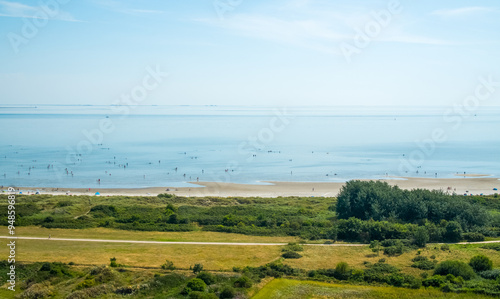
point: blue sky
(253, 53)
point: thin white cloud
(413, 39)
(313, 32)
(118, 7)
(144, 11)
(455, 12)
(19, 10)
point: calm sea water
(76, 146)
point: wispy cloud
(455, 12)
(20, 10)
(316, 30)
(307, 33)
(119, 7)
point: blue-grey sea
(146, 146)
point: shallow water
(211, 143)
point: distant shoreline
(476, 185)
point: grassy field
(213, 257)
(114, 234)
(315, 257)
(285, 288)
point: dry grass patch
(213, 257)
(113, 234)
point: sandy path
(202, 243)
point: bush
(169, 265)
(227, 293)
(393, 250)
(423, 263)
(197, 268)
(291, 255)
(208, 278)
(243, 282)
(196, 284)
(481, 263)
(396, 279)
(455, 268)
(357, 275)
(434, 281)
(473, 237)
(342, 271)
(491, 274)
(112, 262)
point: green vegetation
(396, 223)
(377, 211)
(481, 263)
(364, 211)
(286, 288)
(455, 268)
(58, 280)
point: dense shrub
(227, 293)
(342, 271)
(197, 268)
(473, 237)
(196, 284)
(423, 263)
(456, 268)
(490, 274)
(168, 265)
(434, 281)
(291, 255)
(379, 272)
(208, 278)
(243, 282)
(481, 263)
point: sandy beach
(466, 185)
